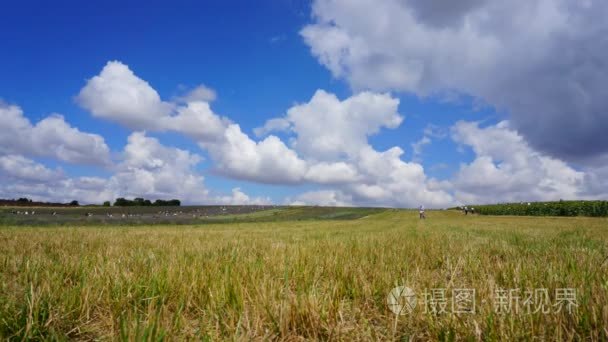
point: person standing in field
(421, 212)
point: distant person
(421, 212)
(466, 210)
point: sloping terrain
(174, 215)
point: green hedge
(561, 208)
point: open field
(316, 278)
(91, 216)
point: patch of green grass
(186, 215)
(298, 214)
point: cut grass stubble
(294, 279)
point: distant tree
(139, 201)
(107, 204)
(163, 203)
(74, 203)
(24, 200)
(122, 202)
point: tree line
(119, 202)
(558, 208)
(141, 202)
(28, 202)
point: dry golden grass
(319, 280)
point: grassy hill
(175, 215)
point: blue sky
(262, 59)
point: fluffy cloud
(596, 180)
(23, 177)
(238, 197)
(332, 173)
(15, 167)
(118, 95)
(331, 148)
(146, 169)
(267, 161)
(332, 135)
(272, 125)
(506, 168)
(197, 120)
(201, 93)
(153, 170)
(323, 197)
(329, 129)
(62, 191)
(50, 137)
(326, 154)
(390, 181)
(328, 147)
(542, 61)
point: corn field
(561, 208)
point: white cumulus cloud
(267, 161)
(329, 129)
(543, 62)
(238, 197)
(16, 167)
(332, 136)
(150, 169)
(328, 147)
(50, 137)
(118, 95)
(506, 168)
(323, 197)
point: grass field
(293, 279)
(121, 216)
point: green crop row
(561, 208)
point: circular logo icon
(401, 300)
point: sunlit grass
(299, 279)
